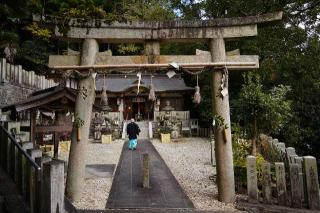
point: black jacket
(133, 130)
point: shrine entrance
(152, 34)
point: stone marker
(20, 74)
(281, 183)
(252, 183)
(282, 147)
(146, 171)
(3, 68)
(8, 72)
(291, 154)
(52, 187)
(296, 196)
(312, 182)
(266, 183)
(299, 161)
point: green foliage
(259, 110)
(39, 32)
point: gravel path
(189, 161)
(96, 191)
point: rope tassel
(197, 95)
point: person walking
(133, 130)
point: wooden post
(223, 142)
(52, 187)
(83, 110)
(281, 183)
(33, 179)
(24, 173)
(33, 115)
(252, 181)
(146, 182)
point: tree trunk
(223, 145)
(83, 110)
(254, 137)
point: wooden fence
(39, 178)
(204, 132)
(294, 181)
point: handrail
(33, 163)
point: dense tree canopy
(289, 50)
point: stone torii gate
(152, 34)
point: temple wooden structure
(45, 113)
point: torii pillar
(83, 110)
(223, 145)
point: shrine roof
(120, 83)
(42, 97)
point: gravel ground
(189, 161)
(96, 191)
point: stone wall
(17, 84)
(11, 94)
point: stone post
(16, 74)
(299, 162)
(40, 161)
(19, 74)
(32, 82)
(23, 77)
(223, 142)
(291, 154)
(146, 182)
(281, 183)
(266, 183)
(8, 69)
(3, 78)
(83, 110)
(52, 187)
(312, 181)
(12, 127)
(252, 182)
(11, 73)
(296, 196)
(33, 180)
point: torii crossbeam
(152, 34)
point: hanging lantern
(197, 95)
(152, 94)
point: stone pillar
(20, 74)
(299, 162)
(32, 82)
(3, 70)
(30, 78)
(146, 182)
(8, 69)
(16, 74)
(296, 196)
(80, 134)
(312, 181)
(121, 108)
(266, 183)
(11, 72)
(152, 50)
(252, 181)
(281, 183)
(33, 180)
(52, 187)
(223, 142)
